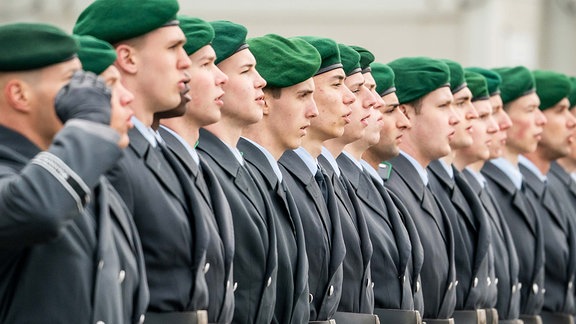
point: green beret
(199, 33)
(384, 77)
(96, 55)
(416, 77)
(229, 38)
(551, 87)
(493, 79)
(366, 58)
(457, 80)
(516, 82)
(329, 52)
(477, 84)
(115, 21)
(350, 60)
(28, 46)
(572, 96)
(284, 62)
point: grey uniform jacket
(506, 259)
(357, 292)
(438, 274)
(400, 218)
(209, 203)
(324, 242)
(174, 244)
(292, 276)
(527, 233)
(473, 253)
(69, 250)
(559, 243)
(255, 254)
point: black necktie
(319, 176)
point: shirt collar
(532, 167)
(510, 170)
(331, 160)
(146, 131)
(373, 173)
(448, 168)
(308, 159)
(273, 163)
(421, 171)
(353, 159)
(189, 148)
(478, 177)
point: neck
(356, 149)
(511, 156)
(476, 166)
(259, 134)
(568, 164)
(542, 164)
(313, 146)
(228, 132)
(409, 149)
(373, 159)
(449, 159)
(461, 160)
(334, 146)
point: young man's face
(558, 133)
(527, 124)
(394, 124)
(333, 100)
(433, 128)
(288, 116)
(484, 127)
(162, 67)
(243, 96)
(503, 122)
(121, 99)
(360, 108)
(466, 113)
(206, 82)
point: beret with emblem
(115, 21)
(284, 62)
(366, 58)
(30, 46)
(457, 80)
(477, 84)
(551, 87)
(572, 96)
(329, 52)
(199, 33)
(416, 77)
(96, 55)
(350, 60)
(493, 79)
(229, 38)
(384, 77)
(517, 82)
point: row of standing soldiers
(192, 175)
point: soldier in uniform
(261, 146)
(69, 248)
(316, 205)
(548, 196)
(506, 183)
(469, 160)
(181, 134)
(473, 253)
(255, 254)
(357, 291)
(423, 90)
(153, 65)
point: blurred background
(489, 33)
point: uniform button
(100, 264)
(450, 286)
(206, 267)
(488, 281)
(100, 322)
(418, 286)
(570, 285)
(142, 318)
(535, 288)
(235, 286)
(227, 284)
(331, 290)
(121, 276)
(310, 298)
(475, 284)
(456, 283)
(496, 281)
(269, 282)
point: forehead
(463, 94)
(439, 96)
(241, 58)
(368, 78)
(524, 102)
(391, 99)
(354, 79)
(483, 106)
(163, 35)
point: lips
(364, 120)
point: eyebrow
(305, 91)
